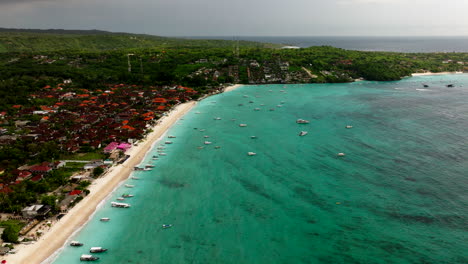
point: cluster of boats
(88, 257)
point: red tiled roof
(75, 192)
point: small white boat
(200, 147)
(166, 226)
(120, 205)
(104, 219)
(129, 185)
(135, 178)
(171, 136)
(207, 142)
(303, 133)
(162, 154)
(257, 109)
(253, 137)
(242, 125)
(251, 153)
(302, 121)
(217, 118)
(201, 130)
(147, 169)
(348, 126)
(206, 136)
(76, 244)
(341, 154)
(120, 199)
(97, 250)
(85, 257)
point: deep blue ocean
(399, 195)
(395, 44)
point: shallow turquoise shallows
(399, 195)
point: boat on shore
(85, 257)
(120, 205)
(303, 133)
(302, 121)
(76, 244)
(97, 250)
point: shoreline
(434, 73)
(79, 215)
(232, 88)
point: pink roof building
(124, 146)
(111, 147)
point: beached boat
(149, 166)
(242, 125)
(120, 205)
(166, 226)
(76, 244)
(97, 250)
(302, 121)
(137, 168)
(126, 195)
(104, 219)
(129, 185)
(303, 133)
(251, 153)
(85, 257)
(171, 136)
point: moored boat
(76, 244)
(302, 121)
(97, 250)
(129, 185)
(207, 142)
(104, 219)
(120, 205)
(171, 136)
(127, 195)
(242, 125)
(303, 133)
(251, 153)
(85, 257)
(168, 142)
(166, 226)
(341, 154)
(348, 126)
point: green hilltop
(35, 40)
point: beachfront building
(36, 210)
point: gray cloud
(242, 17)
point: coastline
(101, 188)
(232, 88)
(434, 73)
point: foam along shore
(434, 73)
(232, 87)
(61, 231)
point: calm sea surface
(398, 196)
(396, 44)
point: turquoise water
(398, 196)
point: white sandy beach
(232, 87)
(60, 232)
(434, 73)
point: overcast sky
(244, 17)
